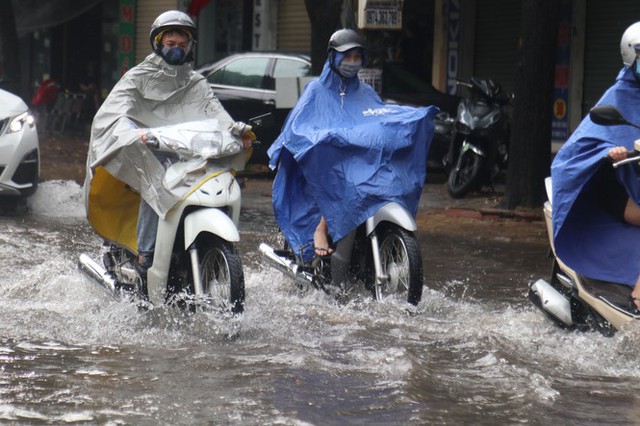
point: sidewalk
(435, 198)
(478, 205)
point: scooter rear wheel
(222, 276)
(401, 261)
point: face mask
(349, 69)
(173, 56)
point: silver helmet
(173, 20)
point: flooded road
(474, 351)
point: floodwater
(474, 351)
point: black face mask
(173, 55)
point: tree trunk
(9, 47)
(324, 16)
(530, 151)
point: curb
(494, 214)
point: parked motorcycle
(382, 254)
(479, 144)
(571, 300)
(196, 262)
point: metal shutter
(294, 28)
(605, 23)
(497, 39)
(146, 12)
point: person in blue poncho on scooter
(596, 213)
(343, 153)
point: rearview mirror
(607, 115)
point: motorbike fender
(210, 220)
(466, 146)
(394, 213)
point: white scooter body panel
(219, 191)
(392, 212)
(210, 220)
(614, 316)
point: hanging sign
(380, 14)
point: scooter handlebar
(634, 159)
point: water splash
(58, 198)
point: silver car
(19, 149)
(245, 84)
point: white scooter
(196, 262)
(574, 301)
(382, 253)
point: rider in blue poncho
(343, 153)
(596, 216)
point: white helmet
(630, 39)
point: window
(244, 72)
(288, 68)
(291, 68)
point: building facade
(438, 41)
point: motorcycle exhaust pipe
(287, 266)
(97, 273)
(551, 301)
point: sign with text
(260, 27)
(454, 29)
(126, 20)
(380, 14)
(560, 118)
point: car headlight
(18, 123)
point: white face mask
(349, 69)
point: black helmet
(173, 19)
(345, 39)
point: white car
(19, 149)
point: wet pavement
(473, 349)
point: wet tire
(465, 176)
(221, 274)
(401, 261)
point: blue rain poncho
(344, 157)
(590, 241)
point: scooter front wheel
(465, 176)
(401, 262)
(221, 273)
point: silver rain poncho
(153, 98)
